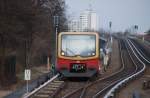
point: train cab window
(78, 45)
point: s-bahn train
(78, 54)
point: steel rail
(106, 88)
(101, 79)
(40, 87)
(139, 51)
(112, 91)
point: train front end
(78, 54)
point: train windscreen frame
(73, 45)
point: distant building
(88, 21)
(84, 21)
(93, 21)
(74, 25)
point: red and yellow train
(78, 54)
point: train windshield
(78, 45)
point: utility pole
(136, 28)
(27, 73)
(110, 25)
(56, 24)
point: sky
(122, 13)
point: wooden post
(48, 64)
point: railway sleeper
(58, 81)
(46, 92)
(41, 96)
(50, 90)
(55, 84)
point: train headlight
(62, 53)
(93, 53)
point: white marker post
(143, 38)
(27, 77)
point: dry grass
(35, 73)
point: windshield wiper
(70, 51)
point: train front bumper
(88, 73)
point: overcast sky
(122, 13)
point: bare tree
(26, 28)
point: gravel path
(115, 63)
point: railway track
(71, 86)
(50, 90)
(142, 54)
(113, 79)
(97, 88)
(92, 89)
(139, 70)
(47, 90)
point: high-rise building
(84, 21)
(88, 21)
(93, 25)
